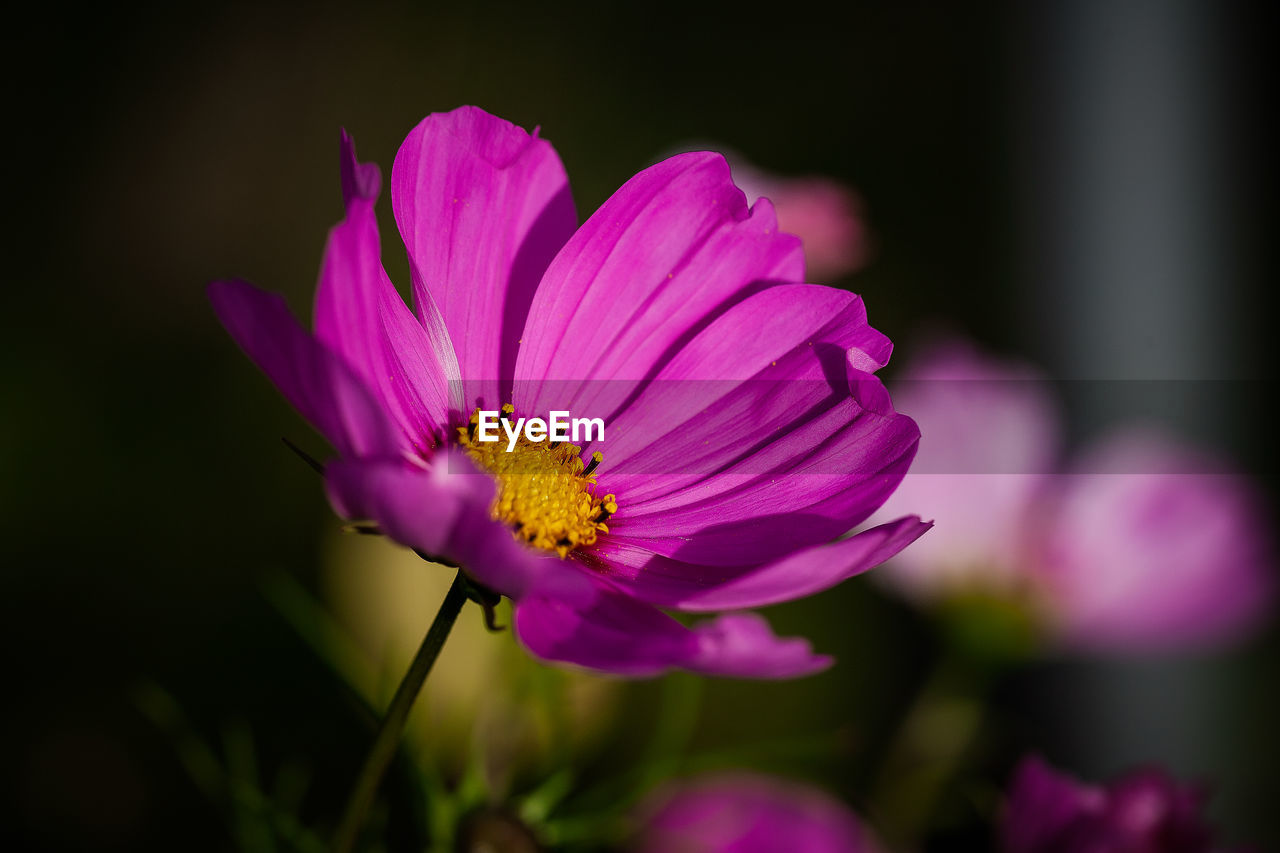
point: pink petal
(444, 512)
(359, 180)
(698, 588)
(360, 315)
(740, 812)
(763, 435)
(1145, 810)
(483, 207)
(1042, 804)
(990, 443)
(615, 633)
(804, 483)
(1152, 547)
(668, 251)
(742, 645)
(316, 381)
(825, 214)
(760, 368)
(790, 495)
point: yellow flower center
(545, 492)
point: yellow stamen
(545, 491)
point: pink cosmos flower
(1146, 811)
(746, 430)
(1140, 544)
(749, 813)
(825, 214)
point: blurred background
(1080, 184)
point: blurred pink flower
(825, 214)
(1140, 544)
(1147, 545)
(748, 813)
(749, 430)
(1146, 811)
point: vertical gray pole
(1128, 275)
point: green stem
(678, 718)
(387, 741)
(928, 749)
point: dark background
(145, 491)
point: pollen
(546, 493)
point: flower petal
(826, 465)
(617, 634)
(1146, 809)
(790, 496)
(747, 813)
(990, 443)
(1043, 803)
(315, 380)
(359, 314)
(1149, 546)
(665, 582)
(359, 180)
(483, 207)
(769, 364)
(444, 512)
(822, 212)
(667, 252)
(743, 646)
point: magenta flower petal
(991, 442)
(316, 381)
(742, 645)
(808, 486)
(483, 207)
(1147, 810)
(757, 439)
(443, 512)
(668, 251)
(359, 180)
(617, 633)
(748, 813)
(698, 588)
(1042, 803)
(756, 372)
(360, 315)
(1153, 547)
